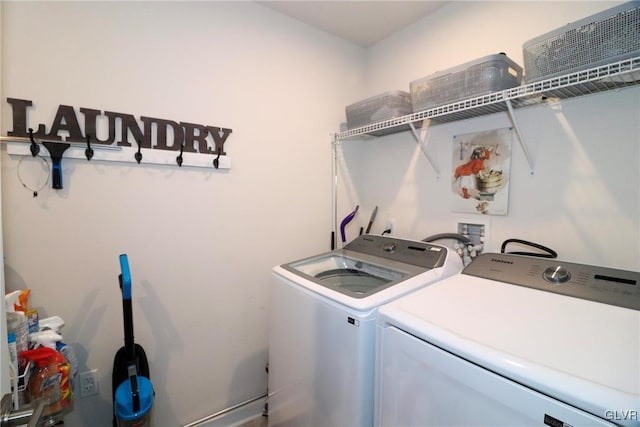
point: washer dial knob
(556, 275)
(389, 247)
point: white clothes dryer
(513, 341)
(322, 326)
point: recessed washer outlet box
(476, 231)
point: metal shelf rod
(422, 142)
(523, 145)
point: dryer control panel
(600, 284)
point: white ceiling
(362, 22)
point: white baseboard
(235, 417)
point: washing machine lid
(581, 352)
(371, 264)
(351, 276)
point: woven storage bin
(378, 108)
(480, 77)
(609, 36)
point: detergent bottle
(17, 323)
(46, 338)
(31, 314)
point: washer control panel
(421, 254)
(600, 284)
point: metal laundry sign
(148, 132)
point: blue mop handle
(127, 311)
(126, 277)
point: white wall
(583, 199)
(201, 243)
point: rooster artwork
(480, 175)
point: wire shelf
(594, 80)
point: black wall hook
(35, 148)
(138, 155)
(89, 151)
(179, 158)
(216, 161)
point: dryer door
(419, 384)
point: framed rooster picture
(480, 174)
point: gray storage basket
(388, 105)
(609, 36)
(482, 76)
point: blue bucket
(125, 414)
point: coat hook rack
(35, 148)
(179, 158)
(89, 151)
(138, 155)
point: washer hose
(550, 253)
(454, 236)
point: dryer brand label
(554, 422)
(501, 261)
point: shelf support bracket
(422, 142)
(523, 145)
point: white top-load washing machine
(513, 341)
(322, 326)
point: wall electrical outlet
(88, 383)
(478, 233)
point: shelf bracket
(523, 145)
(422, 142)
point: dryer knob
(556, 275)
